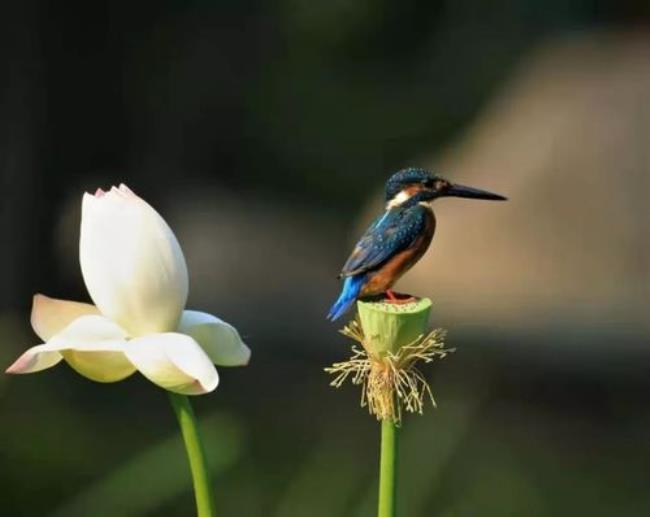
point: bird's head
(411, 186)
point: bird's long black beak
(473, 193)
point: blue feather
(351, 289)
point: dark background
(263, 132)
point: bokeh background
(263, 132)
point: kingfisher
(398, 238)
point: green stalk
(388, 469)
(195, 454)
(387, 328)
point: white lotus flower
(136, 275)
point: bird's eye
(428, 183)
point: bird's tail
(351, 289)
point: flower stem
(388, 469)
(196, 455)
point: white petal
(92, 345)
(219, 339)
(174, 362)
(89, 330)
(35, 359)
(131, 262)
(50, 315)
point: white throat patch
(402, 197)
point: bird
(398, 238)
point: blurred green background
(263, 132)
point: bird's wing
(391, 233)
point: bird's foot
(392, 297)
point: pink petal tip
(20, 365)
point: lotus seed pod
(387, 327)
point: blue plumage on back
(351, 288)
(391, 233)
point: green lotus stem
(195, 454)
(387, 328)
(388, 469)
